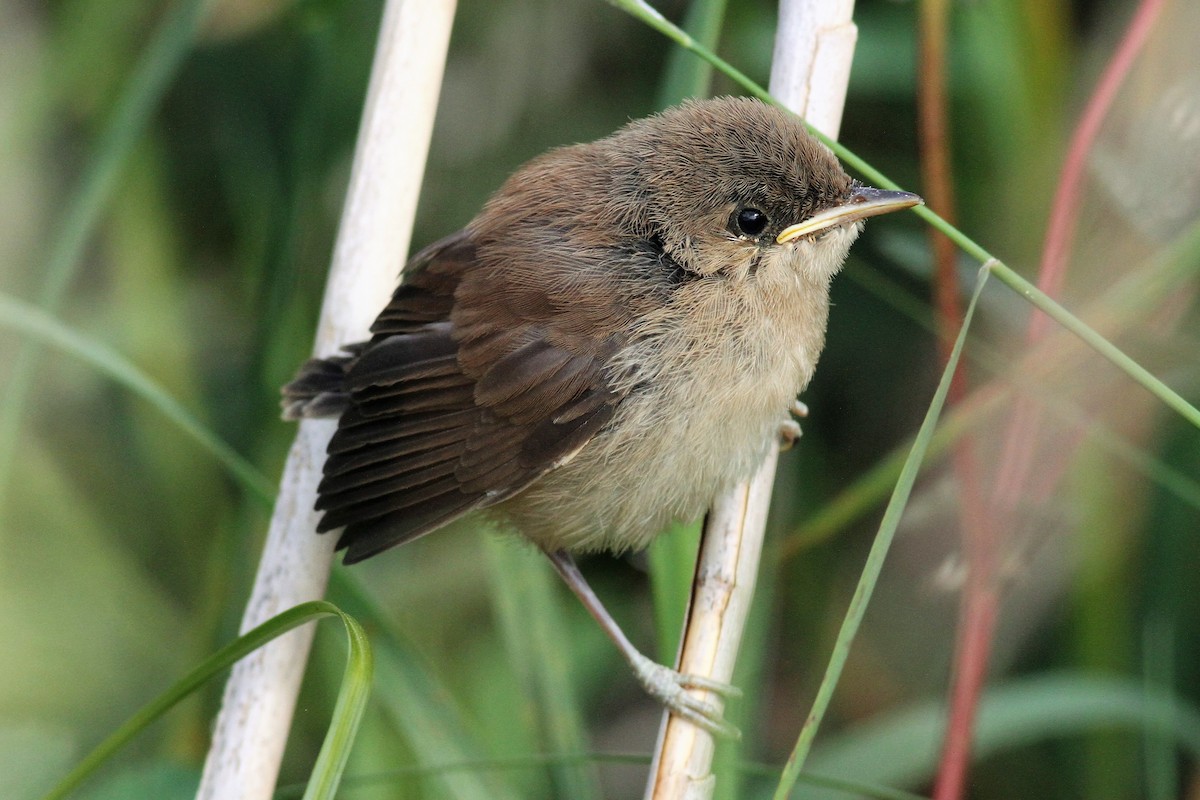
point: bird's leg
(662, 683)
(789, 429)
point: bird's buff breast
(709, 381)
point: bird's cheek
(829, 253)
(819, 257)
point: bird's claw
(789, 432)
(789, 429)
(671, 689)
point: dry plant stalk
(389, 161)
(814, 47)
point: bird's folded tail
(319, 388)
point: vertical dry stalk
(256, 711)
(814, 47)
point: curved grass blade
(39, 326)
(686, 77)
(646, 13)
(875, 559)
(347, 712)
(125, 125)
(842, 787)
(1097, 342)
(412, 696)
(901, 748)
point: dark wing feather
(430, 280)
(463, 397)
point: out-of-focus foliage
(126, 553)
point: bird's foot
(671, 688)
(789, 429)
(662, 683)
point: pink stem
(981, 596)
(1064, 214)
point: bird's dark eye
(751, 221)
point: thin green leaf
(402, 776)
(875, 559)
(1097, 342)
(686, 76)
(124, 127)
(420, 706)
(901, 748)
(672, 566)
(44, 329)
(347, 712)
(1162, 769)
(643, 11)
(535, 632)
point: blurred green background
(126, 552)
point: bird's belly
(699, 423)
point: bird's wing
(466, 394)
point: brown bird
(615, 339)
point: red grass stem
(981, 594)
(1064, 214)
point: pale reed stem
(389, 160)
(814, 47)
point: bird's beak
(864, 202)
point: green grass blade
(1097, 342)
(875, 559)
(535, 632)
(1158, 747)
(347, 712)
(901, 748)
(686, 76)
(646, 13)
(419, 705)
(39, 326)
(672, 566)
(643, 11)
(124, 127)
